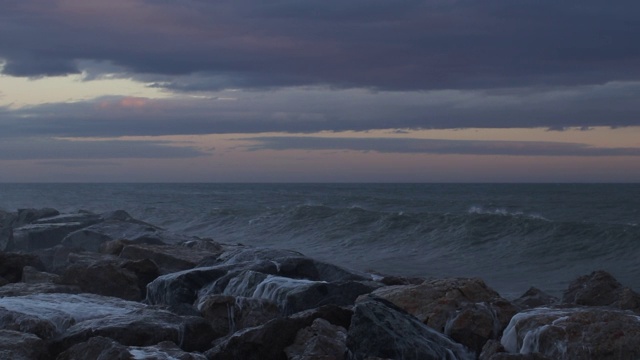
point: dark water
(513, 236)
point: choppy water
(513, 236)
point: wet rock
(96, 348)
(248, 254)
(23, 289)
(533, 298)
(601, 289)
(169, 258)
(465, 309)
(144, 327)
(491, 348)
(269, 341)
(103, 278)
(380, 329)
(321, 340)
(41, 236)
(145, 270)
(91, 238)
(301, 267)
(6, 237)
(49, 315)
(181, 287)
(12, 265)
(31, 275)
(228, 314)
(293, 295)
(16, 345)
(28, 216)
(574, 333)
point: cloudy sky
(319, 90)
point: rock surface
(101, 348)
(321, 340)
(15, 345)
(601, 289)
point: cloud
(55, 149)
(391, 45)
(436, 146)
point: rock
(31, 275)
(267, 342)
(101, 348)
(93, 237)
(143, 327)
(169, 258)
(321, 340)
(41, 236)
(535, 297)
(601, 289)
(12, 264)
(248, 254)
(228, 314)
(491, 348)
(145, 270)
(28, 216)
(181, 287)
(293, 295)
(23, 289)
(16, 345)
(104, 278)
(465, 309)
(6, 237)
(49, 315)
(380, 329)
(574, 333)
(301, 267)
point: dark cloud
(436, 146)
(53, 149)
(383, 44)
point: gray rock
(169, 258)
(103, 278)
(91, 238)
(228, 314)
(41, 236)
(601, 289)
(12, 265)
(181, 287)
(533, 298)
(380, 329)
(321, 340)
(31, 275)
(16, 345)
(23, 289)
(268, 342)
(574, 333)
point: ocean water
(512, 235)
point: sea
(514, 236)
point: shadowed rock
(601, 289)
(380, 329)
(228, 314)
(535, 297)
(16, 345)
(12, 265)
(321, 340)
(101, 348)
(169, 258)
(575, 333)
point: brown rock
(601, 289)
(104, 278)
(11, 265)
(535, 297)
(228, 314)
(16, 345)
(169, 258)
(31, 275)
(320, 341)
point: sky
(319, 91)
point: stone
(465, 309)
(181, 287)
(96, 348)
(143, 327)
(103, 278)
(31, 275)
(28, 216)
(41, 236)
(321, 340)
(601, 289)
(91, 238)
(12, 265)
(228, 314)
(533, 298)
(574, 333)
(268, 342)
(145, 270)
(380, 329)
(23, 289)
(169, 258)
(249, 254)
(17, 345)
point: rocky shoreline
(107, 286)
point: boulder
(50, 315)
(601, 289)
(380, 329)
(23, 289)
(103, 278)
(28, 216)
(41, 236)
(143, 327)
(243, 254)
(228, 314)
(169, 258)
(91, 238)
(293, 295)
(574, 333)
(533, 298)
(12, 265)
(6, 237)
(268, 342)
(321, 340)
(467, 310)
(102, 348)
(31, 275)
(17, 345)
(181, 287)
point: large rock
(533, 298)
(104, 278)
(467, 310)
(182, 287)
(601, 289)
(23, 289)
(380, 329)
(28, 216)
(101, 348)
(321, 340)
(268, 342)
(41, 236)
(12, 265)
(91, 238)
(228, 314)
(293, 295)
(16, 345)
(169, 258)
(50, 315)
(143, 327)
(575, 333)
